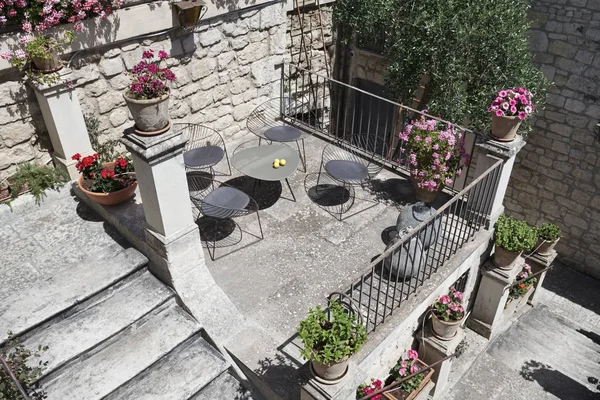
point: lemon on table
(275, 165)
(282, 162)
(276, 161)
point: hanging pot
(504, 129)
(413, 215)
(151, 116)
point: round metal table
(257, 162)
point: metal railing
(337, 110)
(381, 288)
(12, 376)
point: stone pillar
(63, 117)
(490, 151)
(432, 349)
(539, 263)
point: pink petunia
(513, 109)
(499, 113)
(522, 115)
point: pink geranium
(449, 307)
(149, 81)
(406, 367)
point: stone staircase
(115, 332)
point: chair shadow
(555, 382)
(265, 193)
(329, 194)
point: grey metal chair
(351, 162)
(204, 149)
(268, 122)
(219, 202)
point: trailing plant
(330, 335)
(104, 179)
(449, 307)
(526, 281)
(514, 235)
(149, 81)
(106, 150)
(20, 361)
(549, 232)
(468, 49)
(37, 179)
(367, 389)
(435, 153)
(406, 367)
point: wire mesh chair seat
(268, 122)
(219, 202)
(204, 149)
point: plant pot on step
(112, 198)
(504, 259)
(399, 394)
(47, 65)
(504, 129)
(444, 330)
(150, 116)
(545, 247)
(425, 195)
(332, 372)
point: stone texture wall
(557, 175)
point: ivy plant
(329, 337)
(549, 232)
(21, 362)
(468, 49)
(514, 235)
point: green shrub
(328, 340)
(19, 359)
(37, 178)
(514, 235)
(548, 232)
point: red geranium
(105, 180)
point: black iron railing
(338, 110)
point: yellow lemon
(282, 162)
(276, 161)
(276, 165)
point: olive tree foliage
(469, 49)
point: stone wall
(557, 177)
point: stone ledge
(504, 150)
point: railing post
(489, 152)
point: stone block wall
(557, 175)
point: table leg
(290, 188)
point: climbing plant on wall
(468, 48)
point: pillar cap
(504, 150)
(62, 86)
(154, 149)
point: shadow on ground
(573, 286)
(555, 382)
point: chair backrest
(268, 114)
(199, 135)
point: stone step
(48, 297)
(115, 362)
(97, 319)
(189, 367)
(224, 386)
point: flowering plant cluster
(435, 153)
(365, 390)
(39, 15)
(449, 307)
(408, 367)
(526, 281)
(149, 80)
(512, 103)
(104, 179)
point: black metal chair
(268, 123)
(204, 149)
(219, 202)
(351, 162)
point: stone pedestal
(63, 117)
(491, 298)
(432, 349)
(539, 263)
(344, 390)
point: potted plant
(548, 235)
(330, 337)
(509, 108)
(447, 315)
(526, 282)
(410, 388)
(108, 183)
(511, 237)
(367, 389)
(435, 154)
(148, 94)
(39, 56)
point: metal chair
(219, 202)
(204, 149)
(267, 122)
(351, 162)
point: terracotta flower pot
(109, 199)
(504, 129)
(51, 64)
(425, 195)
(444, 330)
(149, 115)
(330, 372)
(505, 259)
(544, 247)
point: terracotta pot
(544, 247)
(425, 195)
(149, 115)
(47, 64)
(504, 129)
(109, 199)
(444, 330)
(330, 372)
(505, 259)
